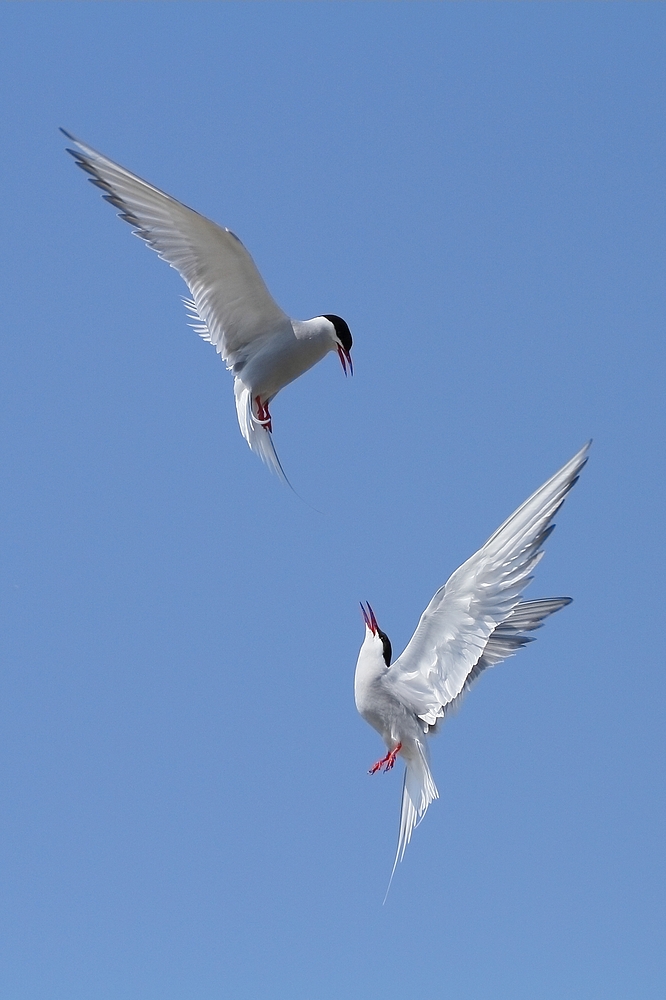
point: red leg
(389, 760)
(263, 416)
(392, 756)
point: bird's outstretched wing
(229, 295)
(510, 636)
(476, 619)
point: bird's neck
(318, 329)
(369, 666)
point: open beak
(345, 359)
(369, 619)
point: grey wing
(478, 602)
(229, 296)
(509, 637)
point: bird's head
(374, 635)
(342, 341)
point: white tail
(259, 439)
(418, 791)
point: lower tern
(231, 306)
(477, 619)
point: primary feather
(229, 296)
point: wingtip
(72, 152)
(583, 453)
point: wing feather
(509, 637)
(477, 602)
(230, 297)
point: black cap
(386, 643)
(342, 330)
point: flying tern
(231, 306)
(477, 619)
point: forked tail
(257, 436)
(418, 791)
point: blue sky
(479, 190)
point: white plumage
(231, 306)
(474, 621)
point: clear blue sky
(479, 190)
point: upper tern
(477, 619)
(230, 305)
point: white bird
(230, 305)
(477, 619)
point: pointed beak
(369, 619)
(345, 359)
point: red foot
(263, 416)
(389, 760)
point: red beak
(369, 619)
(345, 359)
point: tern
(477, 619)
(231, 306)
